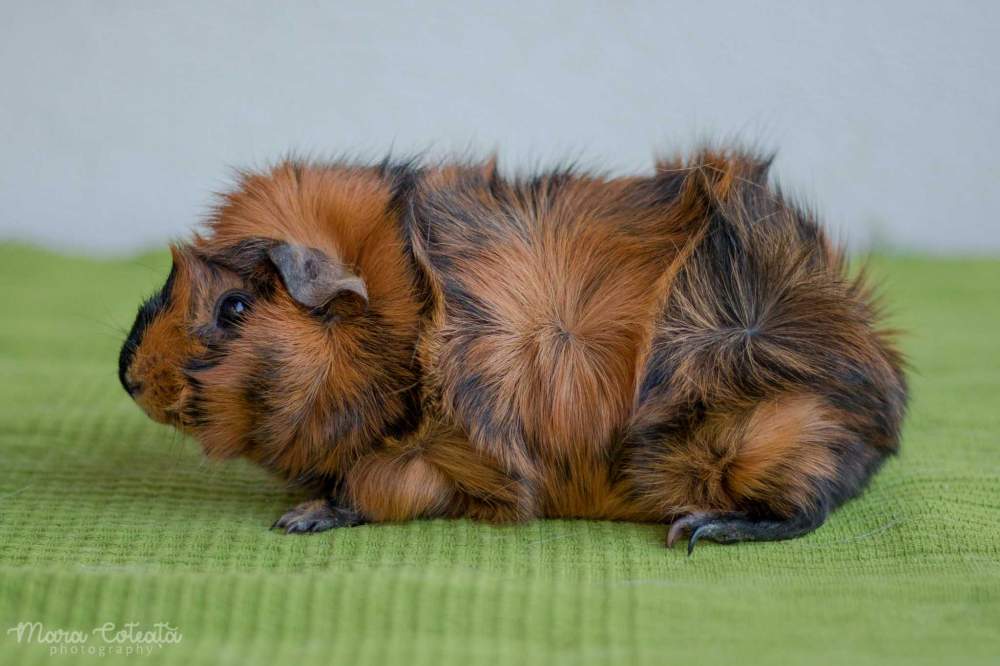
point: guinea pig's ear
(313, 278)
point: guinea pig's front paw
(317, 515)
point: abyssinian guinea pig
(415, 341)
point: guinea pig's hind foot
(317, 515)
(730, 527)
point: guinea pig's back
(548, 291)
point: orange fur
(772, 452)
(415, 486)
(632, 349)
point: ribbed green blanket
(108, 519)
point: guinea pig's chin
(165, 416)
(157, 412)
(208, 449)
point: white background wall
(119, 118)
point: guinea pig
(408, 341)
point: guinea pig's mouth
(177, 414)
(171, 415)
(166, 407)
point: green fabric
(108, 517)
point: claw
(300, 527)
(676, 530)
(697, 532)
(681, 525)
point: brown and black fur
(686, 348)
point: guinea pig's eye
(231, 310)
